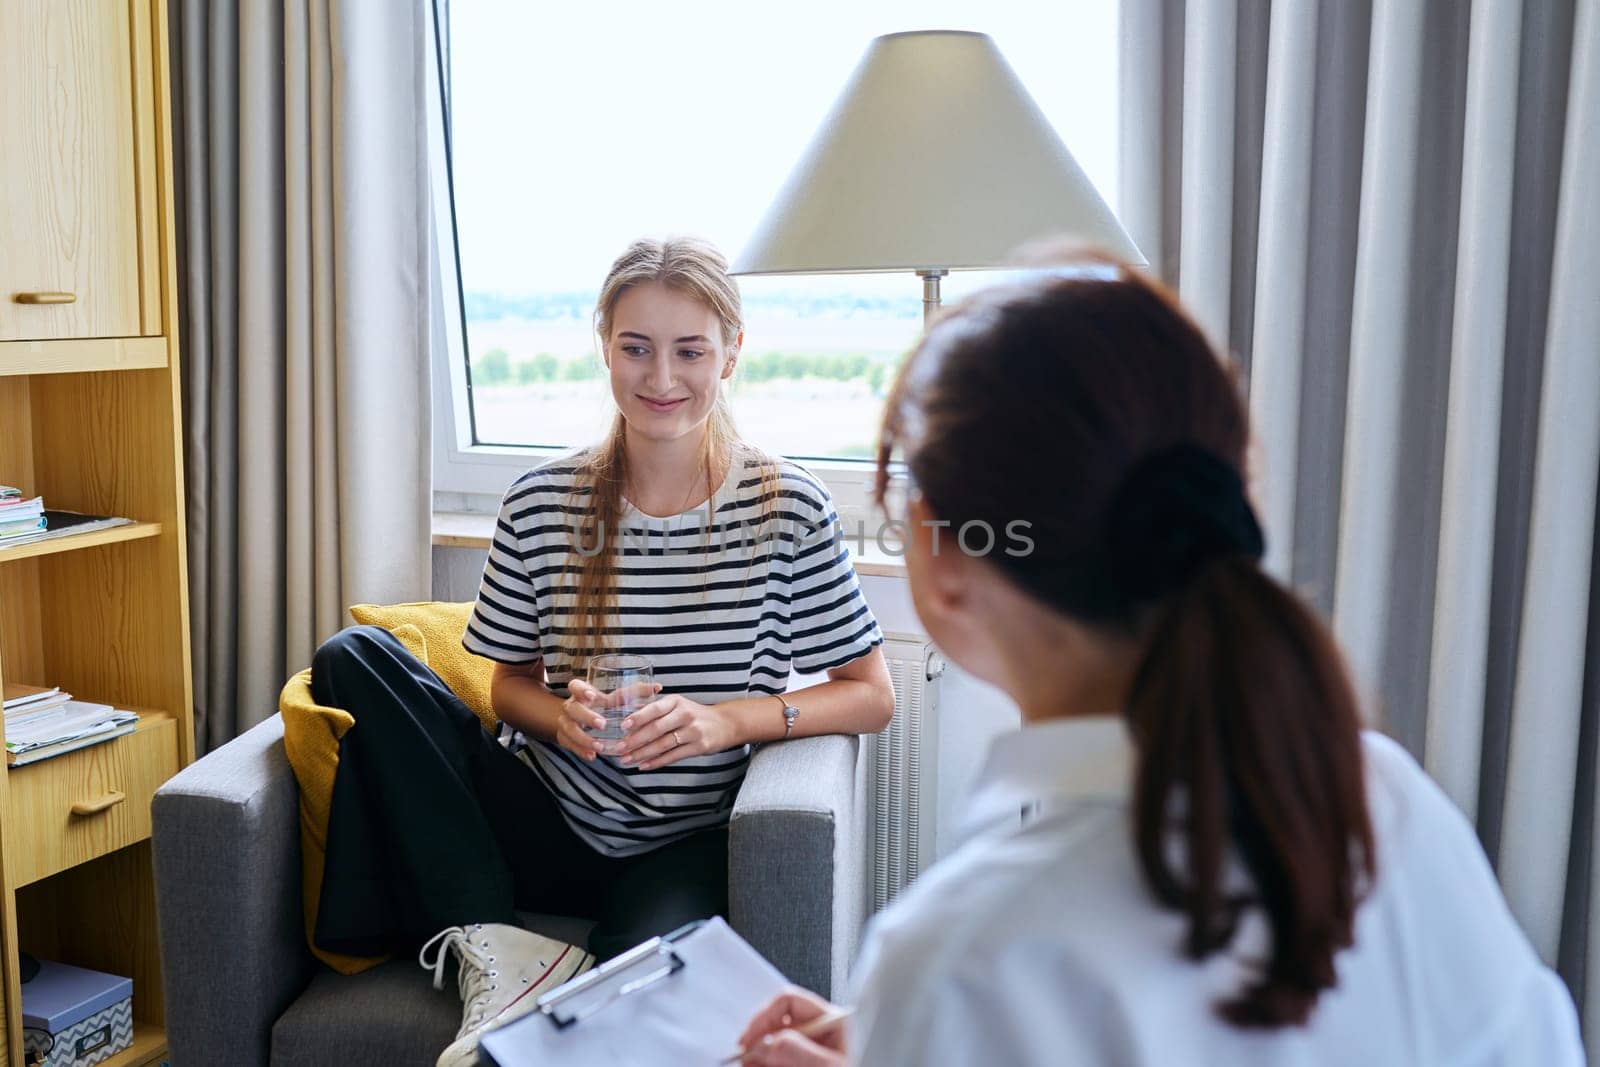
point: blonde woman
(671, 539)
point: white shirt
(1037, 941)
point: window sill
(460, 529)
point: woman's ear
(943, 568)
(733, 355)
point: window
(573, 129)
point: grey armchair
(242, 989)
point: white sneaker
(503, 970)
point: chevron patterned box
(73, 1017)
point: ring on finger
(676, 738)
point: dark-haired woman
(1191, 853)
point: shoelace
(476, 977)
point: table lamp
(933, 159)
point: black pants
(434, 824)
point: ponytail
(1248, 791)
(1249, 739)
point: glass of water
(626, 684)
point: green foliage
(876, 369)
(758, 367)
(866, 451)
(846, 367)
(795, 365)
(578, 305)
(540, 369)
(586, 367)
(492, 368)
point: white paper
(25, 699)
(693, 1017)
(80, 720)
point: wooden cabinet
(94, 801)
(90, 418)
(77, 246)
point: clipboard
(677, 1000)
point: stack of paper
(60, 524)
(19, 517)
(26, 703)
(41, 723)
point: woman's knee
(662, 894)
(352, 649)
(615, 936)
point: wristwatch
(790, 714)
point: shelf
(149, 719)
(82, 354)
(462, 529)
(72, 542)
(149, 1046)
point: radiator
(902, 769)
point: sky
(580, 126)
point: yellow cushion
(439, 627)
(311, 733)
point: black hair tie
(1176, 510)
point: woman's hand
(577, 715)
(672, 728)
(581, 712)
(773, 1044)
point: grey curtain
(1385, 209)
(303, 224)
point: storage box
(74, 1017)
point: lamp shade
(933, 158)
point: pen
(825, 1021)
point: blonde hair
(696, 269)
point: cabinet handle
(45, 298)
(95, 807)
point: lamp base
(930, 295)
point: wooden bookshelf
(90, 419)
(73, 542)
(149, 1047)
(78, 356)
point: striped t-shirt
(721, 605)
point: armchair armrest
(797, 887)
(226, 845)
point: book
(15, 509)
(43, 752)
(65, 523)
(10, 529)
